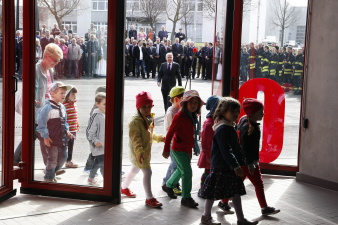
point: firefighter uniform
(273, 66)
(265, 61)
(280, 70)
(260, 54)
(288, 67)
(252, 63)
(297, 76)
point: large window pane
(83, 66)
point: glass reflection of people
(92, 48)
(102, 57)
(208, 61)
(44, 79)
(216, 58)
(54, 130)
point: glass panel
(1, 83)
(81, 64)
(218, 40)
(271, 70)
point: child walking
(95, 135)
(182, 131)
(204, 160)
(54, 129)
(176, 94)
(249, 140)
(141, 136)
(224, 180)
(72, 120)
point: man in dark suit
(180, 35)
(208, 62)
(139, 54)
(177, 50)
(184, 57)
(164, 50)
(167, 75)
(132, 32)
(162, 33)
(126, 57)
(46, 40)
(158, 51)
(92, 50)
(132, 61)
(150, 60)
(203, 54)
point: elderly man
(166, 79)
(162, 33)
(74, 55)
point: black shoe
(269, 211)
(169, 191)
(189, 202)
(225, 207)
(246, 222)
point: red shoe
(153, 203)
(128, 193)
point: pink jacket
(207, 135)
(64, 49)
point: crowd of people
(145, 52)
(282, 64)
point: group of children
(57, 125)
(230, 151)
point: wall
(319, 149)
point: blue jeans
(98, 163)
(138, 64)
(56, 158)
(171, 169)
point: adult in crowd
(180, 35)
(184, 57)
(74, 55)
(288, 66)
(164, 50)
(142, 35)
(43, 30)
(252, 61)
(101, 34)
(139, 54)
(60, 68)
(151, 35)
(166, 79)
(126, 57)
(132, 61)
(244, 64)
(158, 47)
(177, 50)
(91, 30)
(102, 57)
(66, 30)
(132, 32)
(92, 48)
(17, 59)
(162, 33)
(150, 60)
(46, 40)
(83, 61)
(208, 62)
(38, 50)
(55, 31)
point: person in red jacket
(181, 135)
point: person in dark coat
(180, 35)
(244, 64)
(139, 53)
(166, 79)
(46, 40)
(208, 62)
(158, 47)
(151, 60)
(203, 54)
(92, 49)
(177, 50)
(132, 32)
(162, 33)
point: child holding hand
(141, 136)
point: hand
(239, 172)
(47, 141)
(166, 154)
(140, 158)
(70, 135)
(251, 170)
(98, 144)
(159, 84)
(178, 55)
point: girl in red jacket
(182, 131)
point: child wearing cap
(141, 136)
(96, 135)
(54, 129)
(176, 94)
(182, 131)
(250, 135)
(72, 120)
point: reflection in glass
(79, 62)
(277, 60)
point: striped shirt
(72, 118)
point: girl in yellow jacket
(141, 136)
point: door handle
(16, 84)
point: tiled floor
(299, 203)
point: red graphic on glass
(274, 113)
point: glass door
(8, 88)
(72, 129)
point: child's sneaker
(128, 193)
(59, 172)
(225, 207)
(177, 191)
(246, 222)
(209, 221)
(70, 164)
(189, 202)
(92, 181)
(153, 203)
(269, 211)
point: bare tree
(61, 8)
(210, 7)
(284, 15)
(152, 9)
(176, 10)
